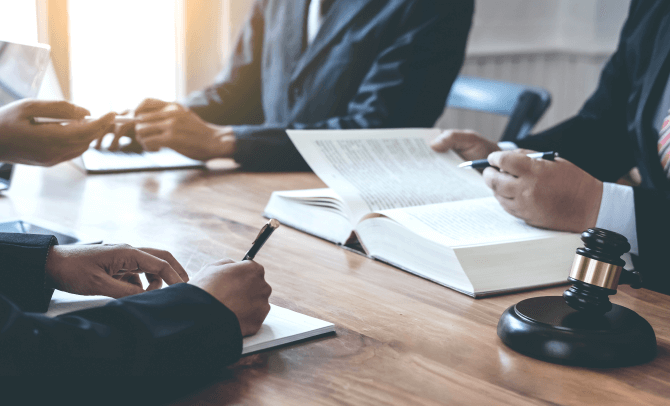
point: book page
(472, 222)
(385, 169)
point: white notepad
(282, 326)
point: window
(18, 21)
(122, 52)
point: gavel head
(598, 270)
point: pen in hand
(484, 163)
(262, 237)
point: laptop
(22, 69)
(105, 161)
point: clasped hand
(160, 124)
(556, 195)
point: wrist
(53, 258)
(223, 141)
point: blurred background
(109, 55)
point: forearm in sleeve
(22, 274)
(178, 330)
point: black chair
(524, 105)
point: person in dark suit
(316, 64)
(184, 329)
(622, 126)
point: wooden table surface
(400, 339)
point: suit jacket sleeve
(237, 92)
(651, 208)
(406, 86)
(22, 276)
(178, 330)
(597, 138)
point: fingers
(223, 261)
(166, 256)
(125, 129)
(512, 162)
(525, 151)
(454, 139)
(254, 267)
(54, 109)
(144, 130)
(149, 264)
(502, 184)
(129, 277)
(88, 132)
(165, 114)
(118, 288)
(154, 135)
(155, 281)
(148, 105)
(512, 206)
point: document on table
(281, 326)
(284, 326)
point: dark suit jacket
(373, 64)
(178, 330)
(614, 132)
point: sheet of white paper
(63, 302)
(471, 222)
(281, 326)
(384, 169)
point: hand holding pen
(556, 195)
(484, 163)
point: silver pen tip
(464, 164)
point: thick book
(400, 202)
(281, 326)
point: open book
(408, 206)
(281, 326)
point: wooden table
(400, 339)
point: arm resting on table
(178, 330)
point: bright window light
(122, 52)
(18, 21)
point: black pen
(263, 236)
(483, 163)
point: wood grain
(400, 339)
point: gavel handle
(632, 278)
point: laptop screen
(22, 68)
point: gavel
(598, 270)
(583, 327)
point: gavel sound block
(583, 327)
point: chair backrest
(524, 105)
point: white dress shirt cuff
(617, 213)
(507, 145)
